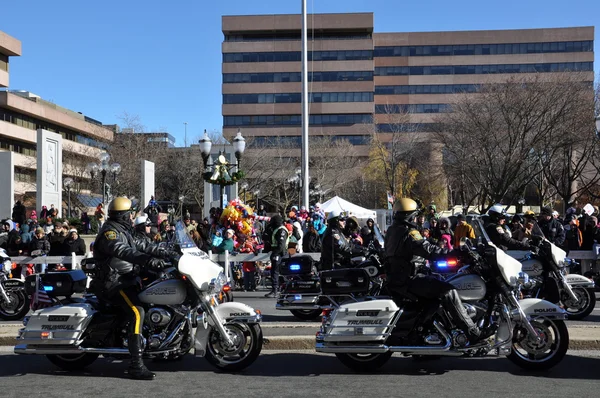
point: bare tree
(503, 133)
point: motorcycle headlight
(523, 278)
(6, 266)
(218, 282)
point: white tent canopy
(337, 203)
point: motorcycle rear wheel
(17, 308)
(72, 362)
(585, 306)
(306, 315)
(364, 363)
(544, 355)
(248, 340)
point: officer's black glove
(156, 263)
(535, 240)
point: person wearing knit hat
(73, 244)
(552, 229)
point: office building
(358, 78)
(22, 113)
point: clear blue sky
(161, 60)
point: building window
(295, 56)
(485, 49)
(412, 108)
(295, 36)
(4, 62)
(296, 120)
(427, 89)
(31, 123)
(289, 98)
(483, 69)
(285, 77)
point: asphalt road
(304, 373)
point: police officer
(120, 257)
(497, 232)
(552, 229)
(142, 226)
(279, 243)
(336, 249)
(403, 243)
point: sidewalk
(284, 336)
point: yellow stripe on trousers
(136, 330)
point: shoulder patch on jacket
(415, 235)
(110, 235)
(500, 229)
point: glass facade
(427, 89)
(296, 141)
(296, 120)
(295, 56)
(25, 175)
(4, 62)
(295, 36)
(290, 98)
(406, 127)
(34, 124)
(24, 148)
(287, 77)
(483, 69)
(485, 49)
(412, 108)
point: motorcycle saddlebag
(59, 284)
(303, 286)
(345, 281)
(296, 265)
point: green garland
(235, 177)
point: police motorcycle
(364, 332)
(14, 302)
(301, 288)
(182, 314)
(547, 267)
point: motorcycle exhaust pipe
(70, 350)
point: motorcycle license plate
(297, 297)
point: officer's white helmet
(140, 220)
(496, 210)
(333, 214)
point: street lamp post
(217, 173)
(68, 182)
(104, 167)
(256, 193)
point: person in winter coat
(73, 244)
(311, 242)
(226, 244)
(551, 227)
(57, 239)
(367, 232)
(44, 213)
(462, 230)
(18, 213)
(85, 222)
(573, 236)
(39, 246)
(26, 234)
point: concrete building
(22, 113)
(359, 79)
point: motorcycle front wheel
(364, 363)
(533, 355)
(586, 301)
(17, 308)
(247, 345)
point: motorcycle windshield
(183, 239)
(378, 235)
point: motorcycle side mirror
(465, 244)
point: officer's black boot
(137, 370)
(453, 304)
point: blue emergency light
(294, 267)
